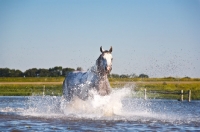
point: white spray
(96, 106)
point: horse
(79, 83)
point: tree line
(56, 71)
(34, 72)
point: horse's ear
(101, 49)
(110, 49)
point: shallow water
(116, 112)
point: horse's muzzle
(108, 69)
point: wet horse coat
(79, 83)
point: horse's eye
(112, 59)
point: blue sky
(158, 38)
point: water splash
(96, 106)
(113, 112)
(119, 105)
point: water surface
(116, 112)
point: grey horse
(79, 83)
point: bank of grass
(31, 79)
(168, 88)
(30, 89)
(60, 79)
(171, 90)
(171, 79)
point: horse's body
(79, 83)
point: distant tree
(65, 71)
(31, 72)
(169, 78)
(56, 71)
(79, 69)
(124, 76)
(4, 72)
(34, 72)
(15, 73)
(43, 72)
(187, 77)
(143, 76)
(11, 73)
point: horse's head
(104, 62)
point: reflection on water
(116, 112)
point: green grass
(168, 88)
(28, 90)
(162, 90)
(170, 91)
(152, 79)
(167, 94)
(31, 79)
(60, 79)
(172, 86)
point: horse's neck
(99, 67)
(101, 75)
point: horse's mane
(93, 69)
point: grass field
(30, 89)
(60, 79)
(168, 88)
(31, 79)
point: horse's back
(76, 78)
(74, 84)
